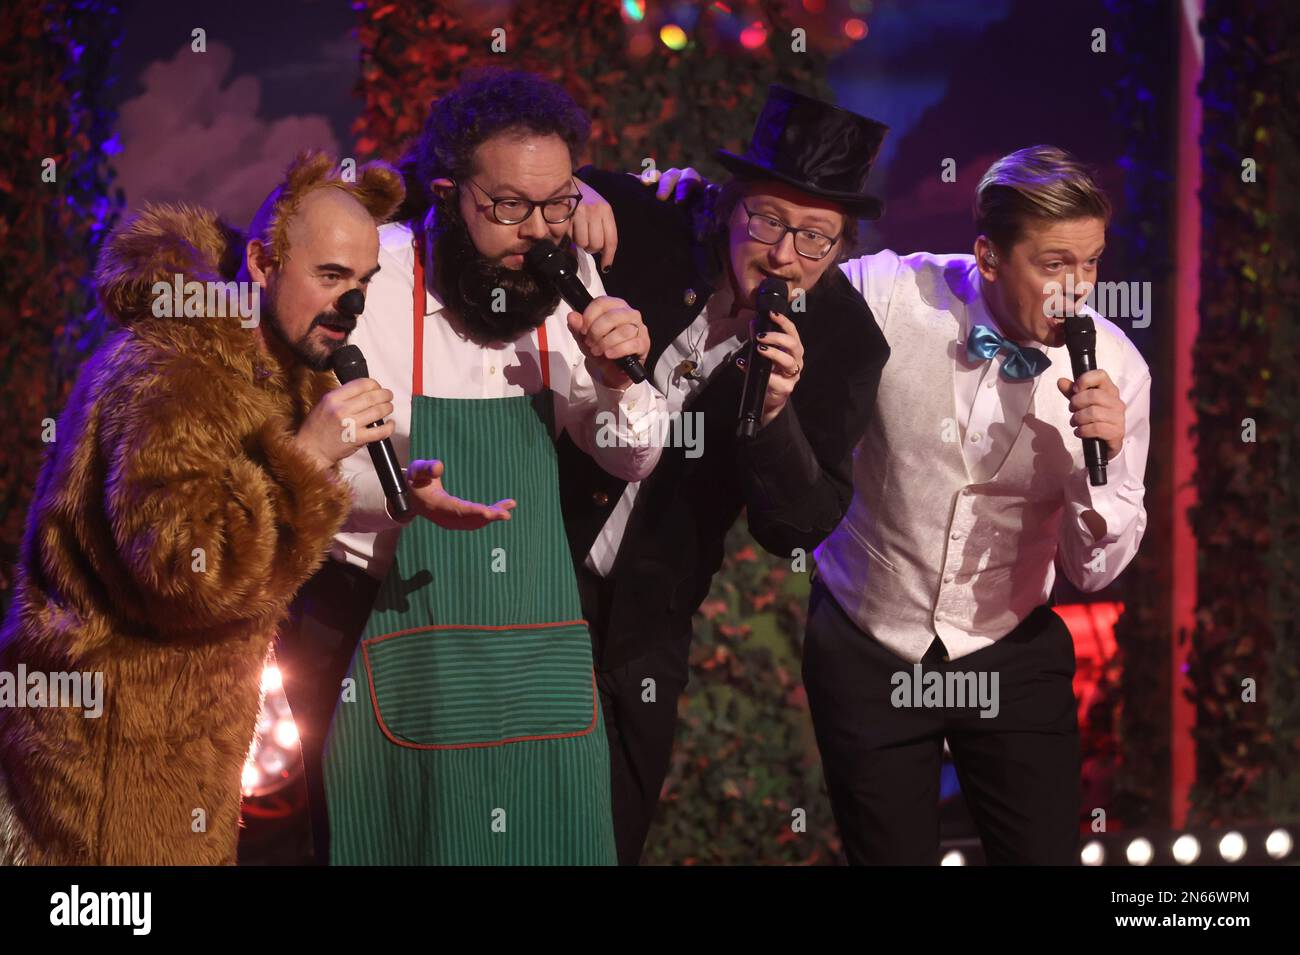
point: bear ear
(308, 166)
(160, 242)
(381, 189)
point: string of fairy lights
(1246, 845)
(677, 25)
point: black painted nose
(352, 303)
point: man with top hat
(646, 551)
(929, 622)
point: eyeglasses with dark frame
(807, 242)
(512, 210)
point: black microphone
(1081, 340)
(772, 296)
(546, 261)
(349, 365)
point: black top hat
(820, 148)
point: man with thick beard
(454, 673)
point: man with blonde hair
(930, 612)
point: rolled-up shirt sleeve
(617, 428)
(1092, 562)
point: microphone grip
(349, 365)
(576, 294)
(757, 372)
(1094, 453)
(391, 478)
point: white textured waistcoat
(927, 547)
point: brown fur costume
(176, 437)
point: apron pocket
(453, 687)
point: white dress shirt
(455, 367)
(708, 341)
(968, 487)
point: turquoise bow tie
(1022, 363)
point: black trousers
(314, 650)
(1019, 770)
(639, 700)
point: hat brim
(856, 204)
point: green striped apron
(475, 736)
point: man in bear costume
(192, 488)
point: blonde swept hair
(377, 186)
(1038, 182)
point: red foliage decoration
(55, 209)
(1245, 656)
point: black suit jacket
(794, 478)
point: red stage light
(1093, 628)
(855, 29)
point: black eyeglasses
(807, 242)
(512, 210)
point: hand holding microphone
(424, 496)
(608, 329)
(350, 367)
(1097, 409)
(324, 433)
(775, 359)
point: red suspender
(417, 346)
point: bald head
(330, 215)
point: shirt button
(992, 384)
(492, 369)
(689, 297)
(956, 536)
(975, 436)
(600, 498)
(948, 579)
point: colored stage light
(634, 10)
(273, 759)
(1094, 853)
(272, 679)
(673, 36)
(855, 29)
(753, 36)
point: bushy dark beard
(467, 282)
